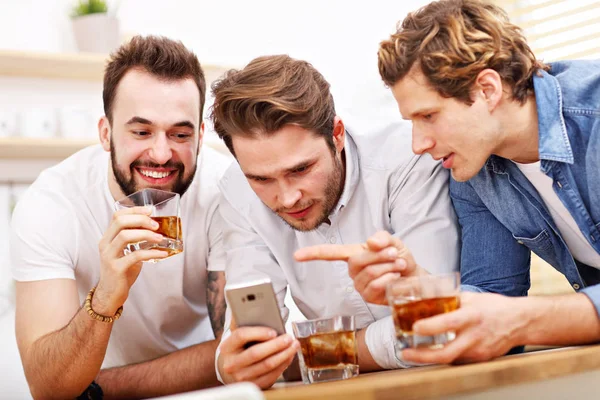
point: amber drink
(165, 211)
(420, 297)
(170, 228)
(327, 349)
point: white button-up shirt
(387, 188)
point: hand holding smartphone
(254, 304)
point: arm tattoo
(215, 301)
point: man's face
(155, 134)
(463, 136)
(294, 173)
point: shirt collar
(554, 142)
(352, 173)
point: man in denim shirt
(522, 140)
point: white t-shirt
(58, 224)
(578, 245)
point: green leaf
(86, 7)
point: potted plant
(96, 29)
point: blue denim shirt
(500, 212)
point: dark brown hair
(453, 41)
(269, 93)
(167, 59)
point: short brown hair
(167, 59)
(269, 93)
(453, 41)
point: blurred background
(52, 56)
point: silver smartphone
(254, 303)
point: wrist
(103, 303)
(97, 316)
(526, 321)
(222, 376)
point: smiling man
(304, 178)
(67, 240)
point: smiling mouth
(156, 175)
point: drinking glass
(165, 211)
(327, 348)
(418, 297)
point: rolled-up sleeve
(593, 293)
(246, 258)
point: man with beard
(67, 241)
(303, 178)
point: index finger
(329, 252)
(244, 334)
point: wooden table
(536, 371)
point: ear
(104, 132)
(488, 85)
(200, 136)
(339, 134)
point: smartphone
(254, 304)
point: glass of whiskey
(327, 348)
(418, 297)
(165, 211)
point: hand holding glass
(165, 211)
(418, 297)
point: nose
(421, 143)
(160, 152)
(288, 195)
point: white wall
(221, 31)
(339, 37)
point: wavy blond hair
(453, 41)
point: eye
(182, 136)
(428, 117)
(300, 170)
(141, 133)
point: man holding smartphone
(303, 178)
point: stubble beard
(128, 185)
(333, 192)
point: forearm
(188, 369)
(365, 359)
(76, 353)
(559, 320)
(215, 301)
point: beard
(332, 194)
(128, 184)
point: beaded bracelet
(95, 315)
